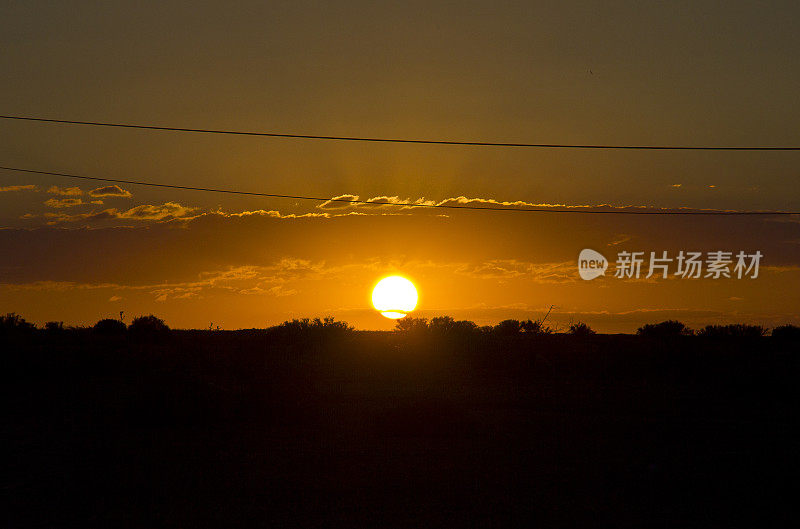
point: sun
(394, 297)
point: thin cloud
(503, 269)
(9, 189)
(393, 202)
(146, 212)
(110, 191)
(335, 202)
(377, 202)
(63, 202)
(65, 191)
(166, 211)
(620, 238)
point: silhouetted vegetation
(307, 329)
(410, 324)
(439, 423)
(507, 328)
(446, 325)
(737, 330)
(786, 332)
(665, 329)
(54, 327)
(148, 327)
(580, 329)
(13, 323)
(535, 327)
(109, 327)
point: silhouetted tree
(580, 329)
(441, 324)
(508, 327)
(109, 326)
(410, 324)
(736, 330)
(14, 323)
(665, 329)
(148, 326)
(306, 328)
(534, 327)
(787, 332)
(54, 327)
(464, 327)
(447, 325)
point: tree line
(151, 325)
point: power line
(400, 140)
(399, 204)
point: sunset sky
(644, 73)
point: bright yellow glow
(394, 297)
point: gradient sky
(690, 73)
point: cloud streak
(110, 191)
(11, 189)
(65, 191)
(395, 202)
(60, 203)
(146, 212)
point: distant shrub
(665, 329)
(534, 327)
(736, 330)
(447, 325)
(441, 324)
(410, 324)
(148, 326)
(580, 329)
(109, 326)
(14, 323)
(464, 327)
(508, 327)
(54, 327)
(786, 332)
(308, 328)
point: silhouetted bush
(736, 330)
(109, 326)
(580, 329)
(54, 327)
(534, 327)
(14, 323)
(447, 325)
(410, 324)
(440, 326)
(311, 329)
(786, 332)
(148, 326)
(508, 327)
(665, 329)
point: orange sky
(589, 72)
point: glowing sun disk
(394, 297)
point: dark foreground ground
(227, 429)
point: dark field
(223, 429)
